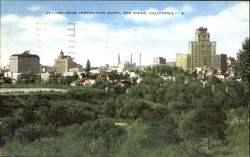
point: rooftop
(26, 54)
(201, 29)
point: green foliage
(170, 113)
(86, 94)
(162, 129)
(133, 109)
(61, 80)
(74, 140)
(88, 66)
(237, 133)
(160, 70)
(112, 107)
(32, 132)
(243, 62)
(113, 75)
(100, 83)
(28, 77)
(203, 122)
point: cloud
(34, 8)
(228, 28)
(25, 22)
(20, 33)
(152, 15)
(8, 19)
(187, 8)
(101, 42)
(52, 18)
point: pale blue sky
(101, 37)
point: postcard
(124, 78)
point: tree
(28, 77)
(161, 128)
(203, 122)
(243, 62)
(100, 83)
(88, 66)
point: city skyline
(100, 37)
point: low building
(172, 64)
(231, 61)
(127, 67)
(46, 68)
(159, 61)
(220, 76)
(12, 75)
(45, 75)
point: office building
(202, 53)
(183, 61)
(25, 62)
(64, 64)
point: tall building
(159, 61)
(202, 53)
(65, 64)
(25, 62)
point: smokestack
(119, 60)
(140, 59)
(131, 59)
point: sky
(162, 29)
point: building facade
(25, 62)
(221, 62)
(231, 62)
(64, 64)
(202, 53)
(171, 63)
(127, 67)
(183, 61)
(159, 61)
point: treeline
(170, 113)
